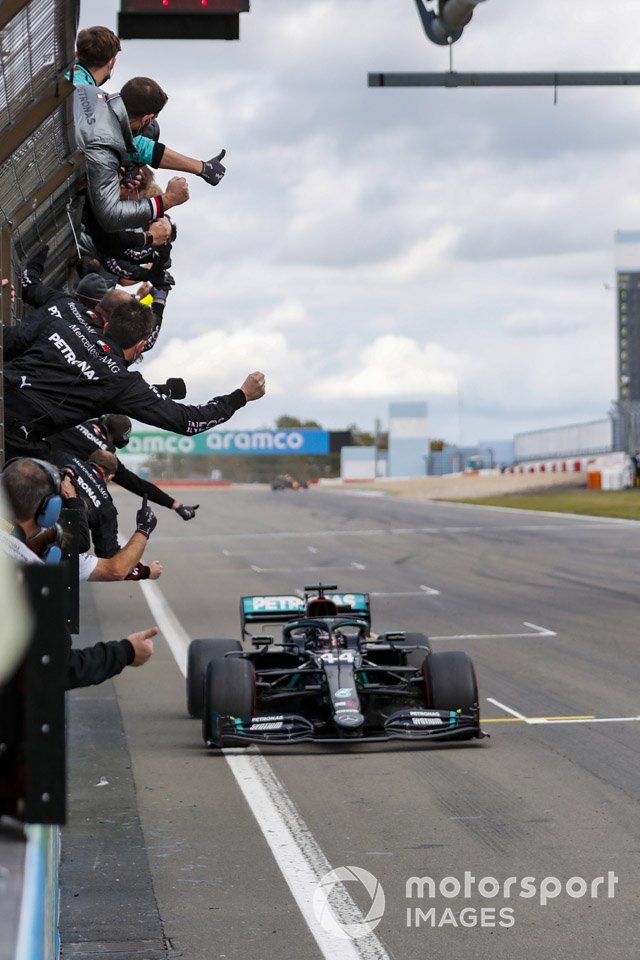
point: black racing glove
(212, 170)
(187, 513)
(146, 520)
(176, 388)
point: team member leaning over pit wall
(104, 135)
(104, 126)
(96, 52)
(90, 304)
(112, 433)
(78, 307)
(131, 255)
(126, 563)
(58, 374)
(90, 479)
(32, 491)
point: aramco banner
(228, 442)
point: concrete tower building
(627, 262)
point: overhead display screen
(181, 19)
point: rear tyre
(451, 681)
(229, 689)
(201, 652)
(415, 658)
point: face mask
(122, 441)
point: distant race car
(286, 482)
(328, 679)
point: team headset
(48, 510)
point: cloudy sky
(377, 245)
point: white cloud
(218, 361)
(392, 367)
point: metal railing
(40, 167)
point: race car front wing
(286, 728)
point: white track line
(295, 850)
(537, 632)
(542, 631)
(574, 522)
(403, 593)
(429, 590)
(509, 710)
(301, 569)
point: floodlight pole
(453, 79)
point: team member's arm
(143, 488)
(157, 308)
(34, 291)
(71, 501)
(120, 565)
(212, 171)
(98, 663)
(19, 338)
(103, 185)
(105, 533)
(149, 152)
(143, 402)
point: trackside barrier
(577, 464)
(38, 932)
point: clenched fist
(177, 192)
(160, 231)
(254, 386)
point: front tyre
(229, 690)
(451, 682)
(201, 652)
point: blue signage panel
(150, 442)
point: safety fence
(40, 167)
(40, 182)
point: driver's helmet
(321, 607)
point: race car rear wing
(283, 608)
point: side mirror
(265, 640)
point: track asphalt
(169, 847)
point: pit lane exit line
(516, 717)
(555, 720)
(298, 855)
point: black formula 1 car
(328, 679)
(285, 481)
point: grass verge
(592, 503)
